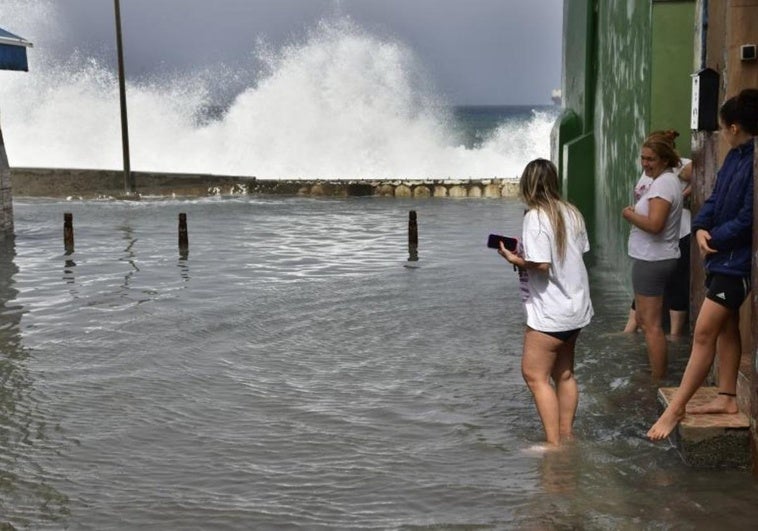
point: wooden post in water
(412, 237)
(183, 236)
(68, 232)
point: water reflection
(68, 268)
(559, 470)
(129, 254)
(23, 480)
(183, 265)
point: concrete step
(712, 440)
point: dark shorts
(562, 336)
(727, 290)
(649, 279)
(677, 294)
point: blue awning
(13, 51)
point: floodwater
(292, 373)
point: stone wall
(55, 182)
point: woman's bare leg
(678, 322)
(537, 362)
(566, 388)
(649, 311)
(729, 347)
(710, 322)
(631, 323)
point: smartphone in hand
(493, 242)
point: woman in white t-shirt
(654, 243)
(677, 293)
(557, 301)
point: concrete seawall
(87, 184)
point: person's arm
(535, 244)
(655, 221)
(687, 191)
(520, 262)
(731, 234)
(686, 172)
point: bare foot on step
(664, 425)
(721, 404)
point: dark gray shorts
(649, 279)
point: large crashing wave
(340, 104)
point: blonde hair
(539, 190)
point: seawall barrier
(88, 184)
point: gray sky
(477, 51)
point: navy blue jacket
(728, 214)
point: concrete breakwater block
(85, 183)
(710, 440)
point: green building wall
(623, 76)
(672, 62)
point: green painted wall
(571, 138)
(578, 52)
(579, 155)
(622, 79)
(672, 60)
(622, 110)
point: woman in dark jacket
(723, 230)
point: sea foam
(340, 103)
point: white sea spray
(339, 103)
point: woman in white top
(558, 302)
(677, 293)
(654, 243)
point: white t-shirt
(664, 245)
(644, 183)
(559, 299)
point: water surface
(291, 373)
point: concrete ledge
(709, 441)
(62, 182)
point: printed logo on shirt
(640, 191)
(721, 296)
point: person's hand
(703, 239)
(508, 255)
(686, 173)
(627, 213)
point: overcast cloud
(477, 51)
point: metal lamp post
(129, 184)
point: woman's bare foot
(720, 404)
(541, 448)
(665, 425)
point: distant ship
(555, 95)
